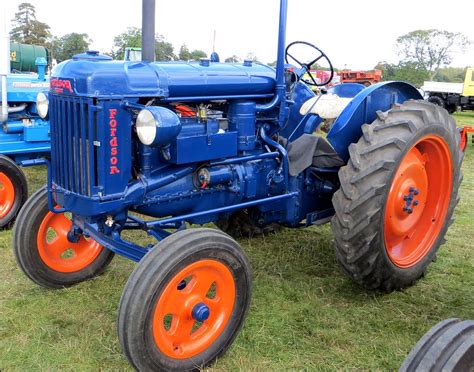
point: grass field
(305, 313)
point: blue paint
(227, 151)
(201, 312)
(25, 135)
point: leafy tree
(233, 59)
(184, 53)
(411, 72)
(431, 48)
(69, 45)
(197, 54)
(27, 29)
(451, 74)
(132, 38)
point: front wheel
(398, 194)
(185, 302)
(13, 191)
(45, 254)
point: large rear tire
(43, 251)
(397, 196)
(13, 191)
(448, 346)
(185, 302)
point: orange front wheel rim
(55, 249)
(7, 195)
(418, 201)
(193, 309)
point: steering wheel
(307, 66)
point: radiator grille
(73, 153)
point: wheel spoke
(202, 283)
(174, 302)
(294, 59)
(183, 329)
(315, 60)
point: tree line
(424, 54)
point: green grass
(305, 313)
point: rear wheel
(241, 225)
(13, 191)
(397, 196)
(44, 252)
(185, 302)
(448, 346)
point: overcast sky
(355, 34)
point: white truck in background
(452, 95)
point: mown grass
(305, 313)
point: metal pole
(148, 30)
(4, 61)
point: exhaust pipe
(148, 30)
(4, 62)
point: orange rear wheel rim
(57, 252)
(7, 195)
(418, 201)
(203, 284)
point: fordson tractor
(231, 143)
(24, 134)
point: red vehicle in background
(362, 77)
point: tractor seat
(326, 106)
(309, 150)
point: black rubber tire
(358, 223)
(451, 109)
(437, 101)
(26, 252)
(448, 346)
(153, 273)
(240, 225)
(18, 179)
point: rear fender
(363, 110)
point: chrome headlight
(157, 126)
(42, 105)
(146, 127)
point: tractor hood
(92, 74)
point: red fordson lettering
(113, 142)
(59, 85)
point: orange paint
(177, 339)
(57, 252)
(427, 168)
(7, 195)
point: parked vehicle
(25, 131)
(452, 95)
(198, 142)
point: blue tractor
(25, 133)
(234, 144)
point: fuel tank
(92, 74)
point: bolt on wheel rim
(193, 309)
(57, 252)
(418, 201)
(7, 195)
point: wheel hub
(7, 195)
(418, 201)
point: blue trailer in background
(25, 131)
